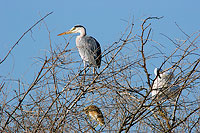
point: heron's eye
(73, 28)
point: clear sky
(104, 19)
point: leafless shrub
(55, 100)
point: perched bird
(88, 47)
(162, 87)
(95, 113)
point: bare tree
(55, 100)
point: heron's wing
(100, 117)
(94, 49)
(170, 92)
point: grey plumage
(88, 47)
(90, 50)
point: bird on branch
(88, 47)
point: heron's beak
(67, 32)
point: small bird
(88, 47)
(95, 113)
(162, 87)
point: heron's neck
(82, 32)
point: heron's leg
(90, 118)
(84, 67)
(94, 71)
(91, 122)
(96, 125)
(84, 70)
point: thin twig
(23, 36)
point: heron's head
(157, 72)
(75, 29)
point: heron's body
(162, 81)
(89, 50)
(162, 87)
(88, 47)
(95, 113)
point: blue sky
(103, 20)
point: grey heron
(88, 47)
(162, 87)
